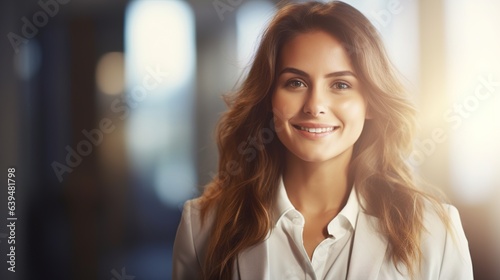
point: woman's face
(318, 106)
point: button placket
(319, 256)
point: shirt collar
(283, 205)
(351, 208)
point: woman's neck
(318, 187)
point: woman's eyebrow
(304, 74)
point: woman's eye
(341, 85)
(295, 84)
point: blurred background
(108, 110)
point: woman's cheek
(285, 107)
(353, 109)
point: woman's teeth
(316, 129)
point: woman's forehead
(315, 51)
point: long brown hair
(251, 156)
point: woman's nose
(315, 104)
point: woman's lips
(315, 131)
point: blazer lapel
(368, 250)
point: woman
(312, 180)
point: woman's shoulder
(193, 205)
(191, 240)
(440, 217)
(193, 231)
(440, 220)
(192, 213)
(444, 241)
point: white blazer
(445, 255)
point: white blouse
(287, 255)
(355, 250)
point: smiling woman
(331, 196)
(317, 97)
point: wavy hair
(251, 157)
